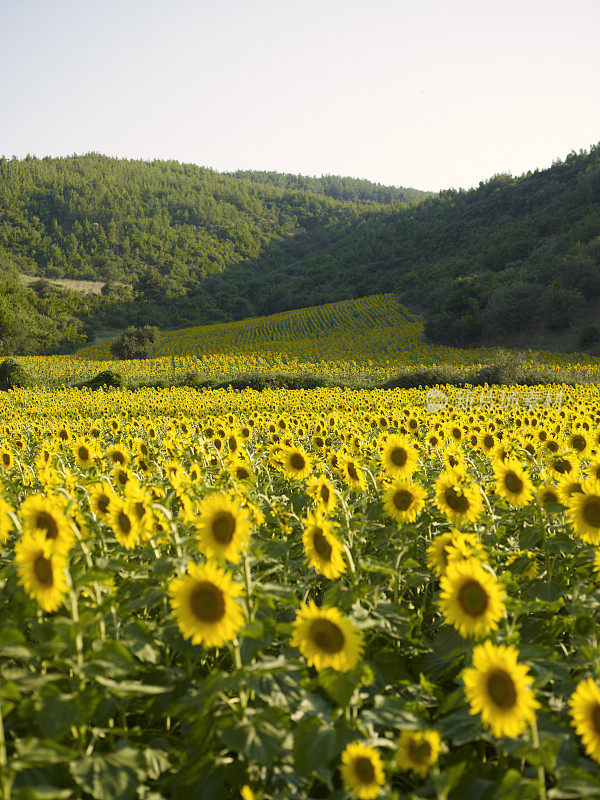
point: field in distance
(374, 332)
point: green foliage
(13, 375)
(135, 342)
(105, 379)
(589, 337)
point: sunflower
(567, 486)
(322, 492)
(116, 454)
(241, 470)
(452, 546)
(7, 459)
(471, 598)
(124, 522)
(593, 469)
(45, 513)
(119, 476)
(353, 474)
(399, 457)
(404, 500)
(324, 552)
(459, 500)
(222, 527)
(561, 465)
(512, 482)
(6, 523)
(101, 495)
(362, 771)
(205, 605)
(41, 569)
(547, 494)
(84, 453)
(578, 441)
(141, 503)
(585, 714)
(296, 462)
(454, 458)
(326, 638)
(497, 687)
(584, 512)
(417, 750)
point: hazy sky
(423, 93)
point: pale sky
(424, 93)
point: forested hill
(180, 245)
(353, 189)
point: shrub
(589, 337)
(135, 342)
(106, 378)
(13, 374)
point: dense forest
(179, 244)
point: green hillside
(182, 245)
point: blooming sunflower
(124, 522)
(7, 459)
(41, 569)
(84, 453)
(101, 495)
(459, 500)
(584, 512)
(471, 598)
(497, 687)
(6, 523)
(452, 546)
(45, 513)
(404, 500)
(353, 474)
(547, 494)
(399, 457)
(296, 462)
(222, 527)
(322, 492)
(579, 441)
(454, 458)
(117, 454)
(326, 638)
(241, 470)
(324, 551)
(417, 750)
(362, 771)
(569, 485)
(585, 714)
(205, 606)
(512, 482)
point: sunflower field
(287, 595)
(375, 336)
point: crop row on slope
(374, 337)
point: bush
(135, 342)
(106, 378)
(589, 337)
(13, 374)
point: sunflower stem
(535, 741)
(5, 781)
(248, 582)
(78, 635)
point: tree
(135, 342)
